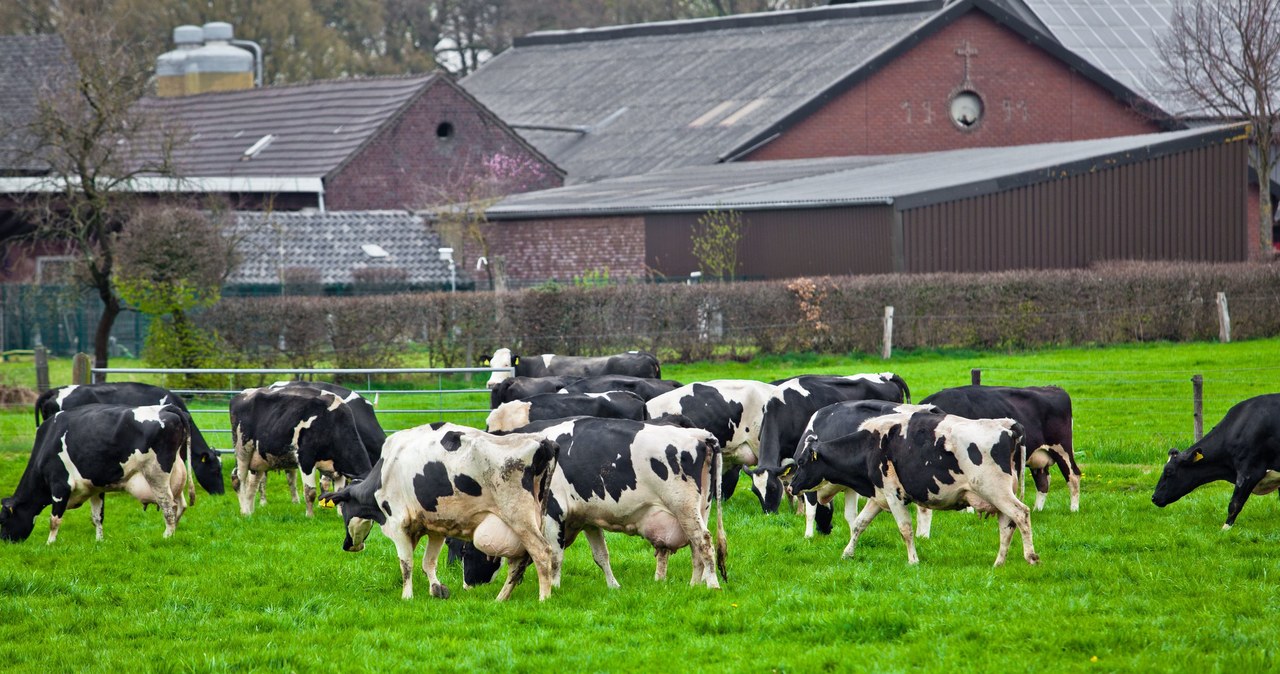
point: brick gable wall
(536, 250)
(1029, 97)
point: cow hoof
(999, 563)
(1226, 527)
(1033, 559)
(439, 591)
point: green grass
(1138, 588)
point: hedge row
(1128, 302)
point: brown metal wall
(1189, 206)
(781, 244)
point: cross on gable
(966, 51)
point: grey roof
(656, 96)
(332, 243)
(907, 181)
(316, 126)
(28, 64)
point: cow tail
(189, 488)
(1022, 471)
(722, 543)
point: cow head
(206, 464)
(805, 471)
(1184, 471)
(767, 487)
(477, 567)
(501, 358)
(16, 521)
(358, 517)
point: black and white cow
(545, 406)
(787, 413)
(729, 409)
(206, 465)
(1045, 415)
(294, 427)
(841, 419)
(449, 480)
(1243, 449)
(653, 479)
(519, 388)
(938, 461)
(647, 389)
(634, 363)
(84, 452)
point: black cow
(519, 388)
(544, 406)
(647, 389)
(938, 461)
(294, 427)
(205, 462)
(787, 413)
(86, 451)
(371, 433)
(1244, 449)
(634, 363)
(1045, 415)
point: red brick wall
(537, 250)
(1029, 97)
(407, 165)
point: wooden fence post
(975, 376)
(80, 369)
(42, 369)
(1224, 320)
(888, 333)
(1197, 405)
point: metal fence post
(1197, 405)
(975, 376)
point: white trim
(255, 184)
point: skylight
(374, 250)
(257, 147)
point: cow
(545, 406)
(84, 452)
(839, 420)
(206, 465)
(653, 479)
(647, 389)
(519, 388)
(1244, 449)
(938, 461)
(448, 480)
(294, 427)
(730, 409)
(1045, 415)
(787, 413)
(634, 363)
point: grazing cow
(294, 427)
(206, 465)
(86, 451)
(729, 409)
(837, 421)
(652, 479)
(634, 363)
(1045, 415)
(519, 388)
(449, 480)
(647, 389)
(1244, 449)
(545, 406)
(787, 413)
(936, 460)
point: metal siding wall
(782, 244)
(1187, 206)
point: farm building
(1171, 196)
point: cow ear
(788, 467)
(1196, 456)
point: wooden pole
(80, 369)
(888, 333)
(42, 369)
(1224, 320)
(1197, 405)
(975, 376)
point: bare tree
(1222, 59)
(96, 145)
(716, 237)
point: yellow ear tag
(1197, 456)
(787, 471)
(516, 360)
(813, 455)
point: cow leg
(600, 553)
(903, 517)
(250, 484)
(810, 514)
(404, 551)
(515, 574)
(247, 487)
(924, 521)
(859, 524)
(528, 528)
(660, 557)
(730, 480)
(158, 481)
(1071, 472)
(262, 490)
(429, 560)
(1041, 477)
(309, 488)
(1006, 536)
(1245, 484)
(96, 506)
(61, 497)
(704, 555)
(291, 474)
(1013, 513)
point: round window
(966, 110)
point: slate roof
(332, 243)
(28, 64)
(317, 126)
(906, 181)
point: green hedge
(1112, 303)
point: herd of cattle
(588, 445)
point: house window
(444, 130)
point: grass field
(1123, 585)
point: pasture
(1123, 586)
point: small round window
(966, 110)
(444, 130)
